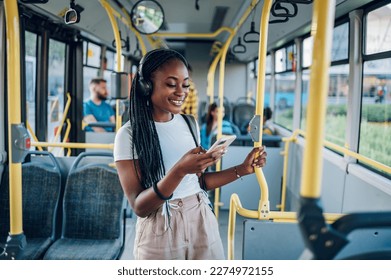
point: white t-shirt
(175, 140)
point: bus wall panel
(248, 189)
(362, 195)
(333, 180)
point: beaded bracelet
(159, 194)
(237, 174)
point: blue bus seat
(242, 114)
(93, 214)
(41, 191)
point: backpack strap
(191, 123)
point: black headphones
(143, 86)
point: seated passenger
(96, 109)
(268, 127)
(209, 129)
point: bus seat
(266, 240)
(41, 191)
(93, 213)
(242, 114)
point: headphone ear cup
(144, 87)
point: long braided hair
(144, 135)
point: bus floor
(223, 226)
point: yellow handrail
(64, 115)
(74, 145)
(236, 206)
(211, 77)
(14, 114)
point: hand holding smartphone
(222, 142)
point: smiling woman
(159, 162)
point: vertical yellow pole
(109, 10)
(322, 27)
(224, 51)
(14, 114)
(263, 206)
(211, 77)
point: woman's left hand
(255, 159)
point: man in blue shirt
(96, 109)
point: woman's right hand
(197, 160)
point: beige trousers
(193, 233)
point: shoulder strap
(191, 123)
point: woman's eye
(186, 86)
(171, 85)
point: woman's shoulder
(124, 133)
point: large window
(285, 61)
(31, 74)
(378, 30)
(375, 126)
(338, 84)
(56, 74)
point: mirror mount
(72, 15)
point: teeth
(177, 102)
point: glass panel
(110, 60)
(93, 55)
(304, 98)
(291, 57)
(107, 77)
(88, 74)
(307, 51)
(378, 32)
(31, 74)
(280, 60)
(268, 85)
(340, 46)
(284, 100)
(337, 104)
(56, 76)
(268, 64)
(335, 125)
(375, 132)
(85, 47)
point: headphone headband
(145, 86)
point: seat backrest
(93, 201)
(41, 190)
(242, 115)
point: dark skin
(170, 88)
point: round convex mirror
(147, 16)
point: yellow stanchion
(14, 114)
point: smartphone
(222, 142)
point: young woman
(209, 128)
(159, 166)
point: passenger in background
(209, 129)
(96, 109)
(268, 127)
(190, 106)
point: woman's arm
(255, 159)
(145, 201)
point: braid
(144, 134)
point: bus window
(378, 31)
(375, 132)
(56, 74)
(31, 74)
